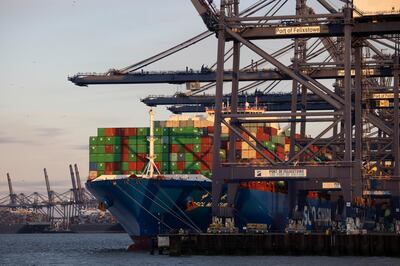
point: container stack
(180, 147)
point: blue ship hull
(147, 207)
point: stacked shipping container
(184, 147)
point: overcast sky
(45, 120)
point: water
(110, 249)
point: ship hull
(27, 228)
(147, 207)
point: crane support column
(218, 180)
(396, 129)
(358, 127)
(233, 187)
(346, 182)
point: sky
(46, 120)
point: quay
(292, 244)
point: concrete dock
(284, 244)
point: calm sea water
(110, 249)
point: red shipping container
(206, 148)
(125, 141)
(108, 167)
(246, 136)
(113, 166)
(140, 166)
(108, 172)
(204, 166)
(175, 148)
(110, 132)
(128, 132)
(125, 157)
(158, 164)
(180, 165)
(268, 154)
(189, 148)
(210, 130)
(125, 149)
(109, 149)
(274, 131)
(238, 145)
(132, 166)
(207, 157)
(206, 140)
(142, 157)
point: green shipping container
(101, 132)
(109, 158)
(161, 148)
(173, 166)
(92, 149)
(132, 149)
(206, 173)
(113, 140)
(132, 140)
(278, 139)
(164, 167)
(188, 157)
(117, 149)
(142, 141)
(192, 166)
(125, 166)
(162, 157)
(132, 157)
(161, 131)
(101, 140)
(143, 131)
(197, 148)
(101, 166)
(142, 148)
(93, 140)
(93, 158)
(101, 149)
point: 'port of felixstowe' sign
(272, 173)
(383, 96)
(331, 185)
(297, 30)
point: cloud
(50, 131)
(83, 147)
(12, 140)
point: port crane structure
(58, 208)
(358, 52)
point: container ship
(158, 179)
